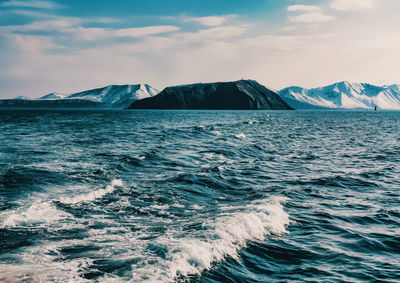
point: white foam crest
(223, 237)
(218, 133)
(196, 207)
(214, 157)
(160, 206)
(37, 214)
(39, 266)
(31, 273)
(240, 136)
(93, 195)
(178, 205)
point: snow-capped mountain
(53, 95)
(112, 96)
(117, 96)
(21, 97)
(344, 95)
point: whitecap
(93, 195)
(219, 238)
(196, 207)
(39, 266)
(178, 205)
(240, 136)
(37, 214)
(160, 206)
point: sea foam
(37, 214)
(221, 238)
(240, 136)
(93, 195)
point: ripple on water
(189, 196)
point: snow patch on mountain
(344, 95)
(112, 96)
(53, 95)
(117, 96)
(22, 97)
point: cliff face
(237, 95)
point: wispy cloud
(209, 21)
(42, 26)
(56, 51)
(355, 5)
(72, 29)
(101, 34)
(38, 4)
(303, 8)
(50, 15)
(144, 31)
(316, 17)
(308, 14)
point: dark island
(237, 95)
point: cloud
(50, 15)
(316, 17)
(72, 29)
(96, 34)
(288, 28)
(43, 26)
(66, 54)
(308, 14)
(209, 21)
(144, 31)
(39, 4)
(303, 8)
(355, 5)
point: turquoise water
(199, 196)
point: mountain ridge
(111, 96)
(343, 95)
(235, 95)
(340, 95)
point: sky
(74, 45)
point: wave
(38, 214)
(219, 238)
(240, 136)
(49, 271)
(45, 214)
(93, 195)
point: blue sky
(67, 46)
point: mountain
(117, 96)
(53, 95)
(343, 95)
(21, 97)
(112, 96)
(237, 95)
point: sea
(199, 196)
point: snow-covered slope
(22, 97)
(344, 95)
(114, 96)
(117, 96)
(53, 95)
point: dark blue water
(200, 196)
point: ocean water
(199, 196)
